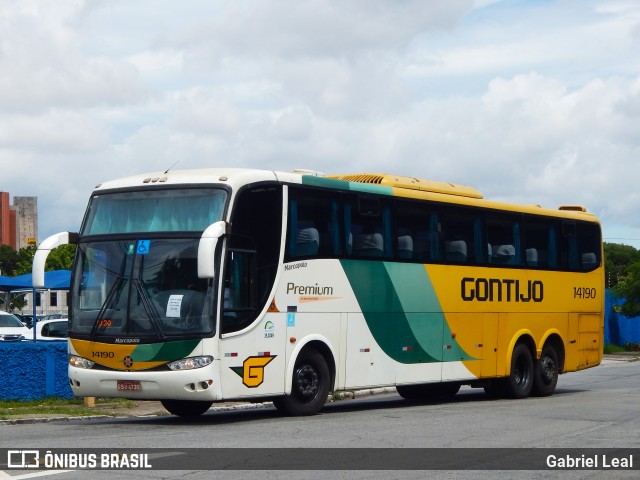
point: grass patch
(614, 349)
(56, 406)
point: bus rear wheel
(309, 386)
(186, 408)
(520, 382)
(546, 372)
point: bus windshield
(161, 210)
(132, 283)
(140, 288)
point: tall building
(18, 222)
(26, 209)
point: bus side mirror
(207, 249)
(40, 258)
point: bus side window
(589, 240)
(313, 226)
(568, 246)
(460, 237)
(504, 240)
(256, 231)
(539, 243)
(412, 224)
(368, 227)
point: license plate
(129, 385)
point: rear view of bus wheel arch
(546, 372)
(309, 386)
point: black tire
(448, 390)
(186, 408)
(428, 391)
(520, 382)
(309, 386)
(545, 377)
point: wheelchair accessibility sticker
(143, 247)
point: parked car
(26, 319)
(54, 329)
(52, 316)
(11, 328)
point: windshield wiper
(105, 304)
(149, 308)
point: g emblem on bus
(252, 370)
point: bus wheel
(309, 388)
(410, 392)
(545, 377)
(520, 382)
(186, 408)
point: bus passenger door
(252, 362)
(251, 348)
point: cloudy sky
(530, 101)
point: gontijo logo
(252, 370)
(501, 289)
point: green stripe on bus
(402, 310)
(164, 352)
(383, 312)
(345, 185)
(423, 310)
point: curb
(622, 356)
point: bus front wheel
(519, 383)
(186, 408)
(309, 386)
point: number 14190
(584, 292)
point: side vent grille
(410, 183)
(360, 178)
(573, 208)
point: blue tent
(56, 280)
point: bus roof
(393, 185)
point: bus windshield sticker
(143, 247)
(173, 306)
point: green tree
(17, 303)
(60, 258)
(617, 259)
(8, 260)
(25, 260)
(629, 289)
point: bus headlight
(79, 362)
(191, 363)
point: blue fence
(618, 329)
(34, 370)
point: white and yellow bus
(193, 287)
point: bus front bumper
(197, 384)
